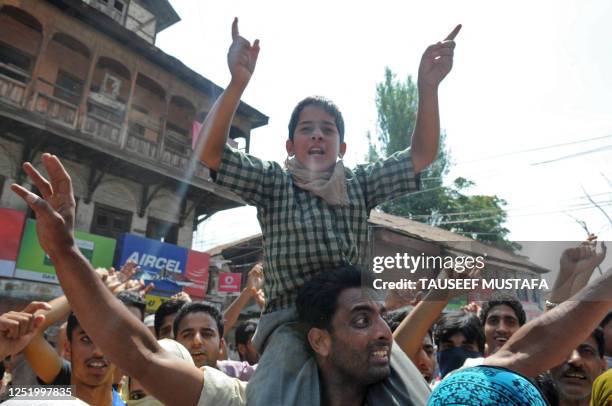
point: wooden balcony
(13, 84)
(56, 109)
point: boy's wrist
(427, 88)
(238, 84)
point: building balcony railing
(140, 145)
(12, 90)
(54, 108)
(102, 122)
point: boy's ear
(289, 147)
(342, 149)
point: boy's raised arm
(241, 60)
(121, 336)
(436, 63)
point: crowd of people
(323, 337)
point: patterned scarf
(328, 185)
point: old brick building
(84, 80)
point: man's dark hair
(165, 309)
(395, 317)
(317, 101)
(317, 300)
(606, 320)
(598, 335)
(133, 299)
(503, 299)
(245, 331)
(460, 322)
(198, 307)
(71, 324)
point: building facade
(83, 79)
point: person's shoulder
(222, 390)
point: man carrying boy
(314, 214)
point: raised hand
(55, 211)
(241, 57)
(18, 328)
(437, 61)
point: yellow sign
(154, 301)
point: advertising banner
(170, 267)
(11, 229)
(34, 264)
(229, 282)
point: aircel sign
(155, 258)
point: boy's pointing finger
(453, 33)
(235, 33)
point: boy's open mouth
(316, 151)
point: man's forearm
(233, 311)
(217, 124)
(545, 341)
(426, 136)
(411, 331)
(102, 315)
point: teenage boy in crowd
(199, 327)
(314, 214)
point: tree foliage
(438, 203)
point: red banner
(11, 229)
(229, 282)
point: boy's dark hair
(598, 335)
(317, 300)
(460, 322)
(71, 324)
(167, 308)
(198, 307)
(606, 320)
(245, 331)
(503, 299)
(133, 299)
(317, 101)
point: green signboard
(34, 264)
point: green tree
(445, 206)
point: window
(68, 87)
(113, 8)
(110, 222)
(161, 230)
(18, 63)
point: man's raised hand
(18, 328)
(437, 60)
(55, 210)
(241, 57)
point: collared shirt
(302, 234)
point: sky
(527, 108)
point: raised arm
(251, 291)
(241, 59)
(545, 341)
(411, 331)
(42, 357)
(120, 335)
(18, 328)
(436, 63)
